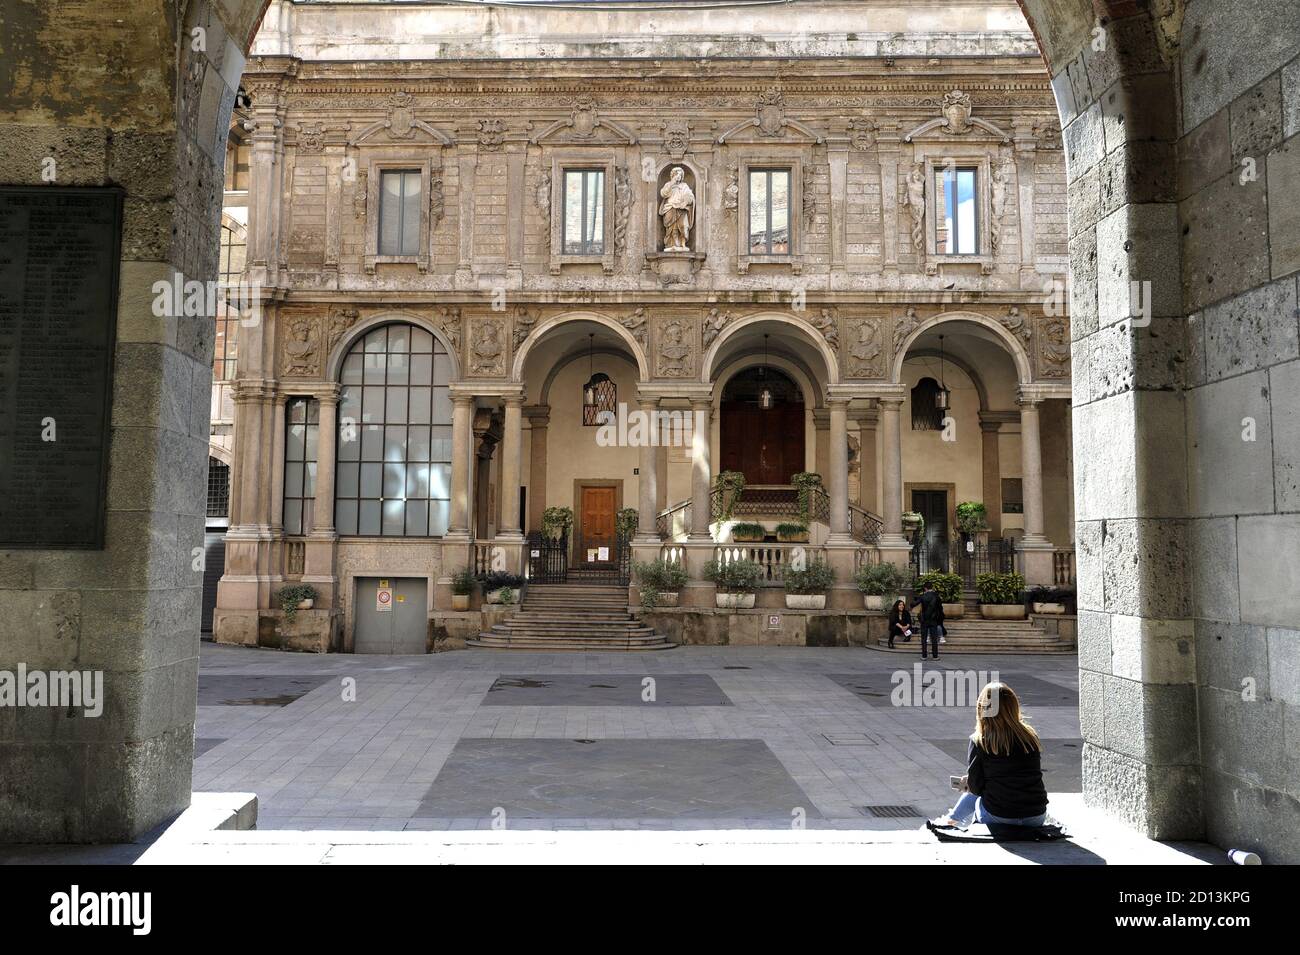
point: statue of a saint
(677, 210)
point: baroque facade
(452, 253)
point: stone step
(489, 641)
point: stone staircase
(974, 634)
(572, 617)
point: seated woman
(1004, 775)
(900, 622)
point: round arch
(334, 364)
(540, 332)
(223, 455)
(544, 393)
(981, 390)
(800, 326)
(1024, 374)
(797, 370)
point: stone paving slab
(577, 689)
(877, 689)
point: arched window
(218, 488)
(394, 442)
(927, 415)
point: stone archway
(1170, 746)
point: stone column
(277, 465)
(701, 470)
(869, 464)
(322, 515)
(894, 548)
(1035, 549)
(462, 419)
(839, 470)
(991, 459)
(539, 419)
(649, 467)
(511, 453)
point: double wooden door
(767, 446)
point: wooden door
(598, 525)
(933, 506)
(766, 446)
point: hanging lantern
(942, 395)
(589, 389)
(765, 399)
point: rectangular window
(957, 208)
(399, 211)
(769, 212)
(302, 427)
(1012, 496)
(584, 212)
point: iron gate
(969, 559)
(548, 559)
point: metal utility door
(402, 628)
(214, 565)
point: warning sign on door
(384, 598)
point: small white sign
(774, 621)
(602, 553)
(384, 599)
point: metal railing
(955, 557)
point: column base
(1036, 560)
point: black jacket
(1011, 786)
(931, 608)
(895, 618)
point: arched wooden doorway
(766, 444)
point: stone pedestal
(698, 592)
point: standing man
(930, 611)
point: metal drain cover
(892, 812)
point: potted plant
(556, 522)
(736, 581)
(806, 589)
(462, 585)
(748, 532)
(729, 485)
(296, 597)
(1002, 596)
(876, 581)
(660, 583)
(626, 522)
(913, 523)
(792, 533)
(972, 517)
(805, 482)
(1050, 600)
(948, 587)
(496, 583)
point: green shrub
(816, 578)
(972, 516)
(1052, 595)
(625, 523)
(660, 575)
(507, 595)
(805, 482)
(744, 529)
(498, 579)
(649, 596)
(289, 597)
(734, 577)
(1001, 588)
(729, 485)
(462, 582)
(877, 580)
(788, 531)
(556, 522)
(948, 586)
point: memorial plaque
(59, 253)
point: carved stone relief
(675, 358)
(311, 138)
(359, 196)
(862, 133)
(677, 137)
(1054, 348)
(449, 322)
(542, 197)
(1018, 324)
(525, 319)
(491, 134)
(867, 353)
(339, 322)
(635, 322)
(622, 207)
(714, 323)
(731, 195)
(915, 202)
(401, 116)
(809, 192)
(487, 347)
(956, 112)
(436, 203)
(903, 327)
(1003, 175)
(828, 324)
(300, 355)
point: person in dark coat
(1004, 770)
(900, 622)
(929, 607)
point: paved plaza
(694, 738)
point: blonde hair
(999, 728)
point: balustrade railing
(1063, 573)
(773, 559)
(295, 558)
(779, 502)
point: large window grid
(769, 211)
(584, 212)
(301, 439)
(400, 192)
(394, 445)
(218, 488)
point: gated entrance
(548, 562)
(969, 558)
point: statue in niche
(915, 201)
(677, 210)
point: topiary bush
(663, 576)
(816, 578)
(734, 577)
(879, 580)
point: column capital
(890, 402)
(513, 401)
(539, 416)
(463, 399)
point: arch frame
(585, 315)
(1019, 356)
(334, 361)
(803, 326)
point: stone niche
(676, 265)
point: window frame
(936, 157)
(304, 503)
(587, 162)
(794, 163)
(374, 193)
(978, 230)
(585, 242)
(405, 175)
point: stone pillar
(321, 546)
(839, 470)
(894, 547)
(539, 419)
(462, 419)
(991, 460)
(1035, 549)
(701, 470)
(277, 465)
(868, 468)
(647, 486)
(511, 453)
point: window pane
(390, 213)
(966, 216)
(345, 517)
(758, 210)
(294, 442)
(309, 480)
(293, 518)
(371, 476)
(421, 341)
(394, 443)
(396, 405)
(781, 212)
(411, 214)
(417, 517)
(595, 230)
(421, 405)
(394, 518)
(372, 442)
(394, 481)
(584, 211)
(346, 480)
(293, 480)
(368, 518)
(300, 445)
(438, 517)
(417, 444)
